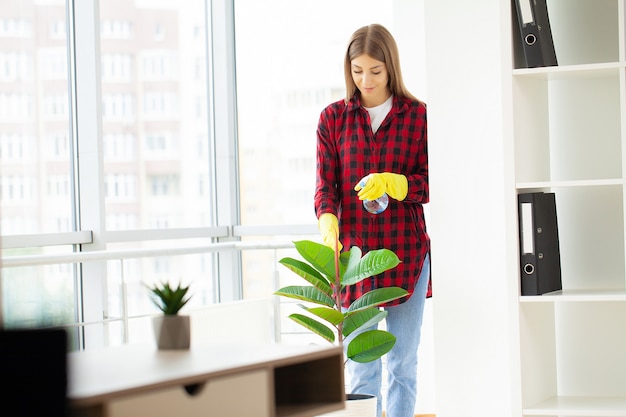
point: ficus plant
(328, 273)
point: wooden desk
(226, 381)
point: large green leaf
(373, 263)
(318, 268)
(377, 297)
(307, 293)
(307, 272)
(362, 319)
(314, 326)
(370, 345)
(331, 315)
(320, 256)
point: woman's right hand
(328, 226)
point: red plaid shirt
(348, 150)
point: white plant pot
(172, 332)
(357, 405)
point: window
(117, 67)
(141, 152)
(112, 28)
(147, 173)
(150, 122)
(280, 97)
(16, 26)
(34, 119)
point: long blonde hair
(377, 42)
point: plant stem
(338, 290)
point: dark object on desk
(540, 259)
(34, 371)
(535, 33)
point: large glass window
(157, 171)
(155, 127)
(36, 181)
(110, 140)
(35, 150)
(287, 72)
(155, 136)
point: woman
(372, 142)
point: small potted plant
(328, 273)
(171, 329)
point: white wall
(410, 34)
(468, 68)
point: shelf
(567, 126)
(569, 137)
(576, 296)
(579, 406)
(571, 71)
(568, 183)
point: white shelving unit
(570, 138)
(497, 130)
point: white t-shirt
(378, 113)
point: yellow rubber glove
(372, 186)
(328, 226)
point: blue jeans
(405, 322)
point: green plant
(329, 273)
(169, 299)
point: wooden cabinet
(228, 380)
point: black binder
(540, 259)
(535, 33)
